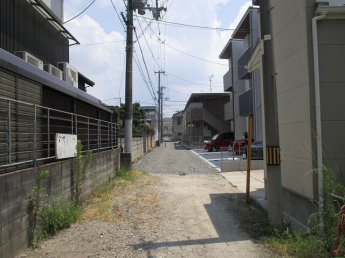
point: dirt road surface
(184, 211)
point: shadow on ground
(178, 146)
(220, 214)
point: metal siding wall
(22, 127)
(24, 29)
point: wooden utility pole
(249, 155)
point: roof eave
(54, 18)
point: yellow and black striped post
(273, 155)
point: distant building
(204, 117)
(244, 86)
(167, 129)
(151, 116)
(177, 126)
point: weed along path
(174, 205)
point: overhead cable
(80, 12)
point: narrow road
(184, 212)
(196, 199)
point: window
(178, 121)
(179, 134)
(215, 137)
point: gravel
(173, 159)
(189, 216)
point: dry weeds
(130, 198)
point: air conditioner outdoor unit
(53, 71)
(70, 74)
(27, 57)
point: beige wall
(138, 146)
(291, 25)
(332, 79)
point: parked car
(221, 140)
(239, 146)
(257, 150)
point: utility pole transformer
(274, 185)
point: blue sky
(104, 62)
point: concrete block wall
(16, 187)
(240, 165)
(138, 146)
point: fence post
(108, 135)
(112, 136)
(72, 124)
(99, 134)
(88, 133)
(48, 132)
(35, 136)
(9, 131)
(76, 125)
(116, 140)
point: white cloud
(104, 63)
(101, 63)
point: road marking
(211, 164)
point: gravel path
(189, 216)
(173, 159)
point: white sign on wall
(65, 145)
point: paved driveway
(214, 158)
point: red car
(219, 141)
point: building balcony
(229, 111)
(242, 64)
(227, 80)
(246, 103)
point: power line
(98, 43)
(166, 71)
(80, 12)
(164, 42)
(193, 56)
(191, 26)
(117, 13)
(135, 59)
(143, 57)
(180, 92)
(142, 74)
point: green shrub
(58, 216)
(125, 174)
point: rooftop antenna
(211, 77)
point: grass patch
(58, 216)
(252, 217)
(296, 244)
(103, 204)
(284, 242)
(287, 243)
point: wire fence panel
(27, 133)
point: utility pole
(129, 79)
(160, 107)
(274, 185)
(159, 111)
(211, 77)
(141, 7)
